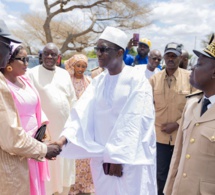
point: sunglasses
(158, 59)
(7, 45)
(46, 54)
(103, 49)
(23, 59)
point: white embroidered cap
(115, 35)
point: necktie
(205, 104)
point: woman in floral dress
(76, 66)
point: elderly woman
(76, 66)
(27, 102)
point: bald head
(155, 52)
(154, 59)
(51, 46)
(184, 59)
(50, 56)
(185, 53)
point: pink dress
(28, 106)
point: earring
(9, 68)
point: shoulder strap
(194, 94)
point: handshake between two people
(54, 148)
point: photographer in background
(143, 48)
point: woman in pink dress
(76, 66)
(27, 102)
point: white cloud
(3, 13)
(183, 21)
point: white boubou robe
(113, 122)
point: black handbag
(40, 134)
(106, 168)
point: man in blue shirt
(142, 50)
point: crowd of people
(134, 128)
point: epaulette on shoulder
(194, 94)
(94, 68)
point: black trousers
(164, 155)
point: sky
(182, 21)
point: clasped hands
(54, 148)
(169, 127)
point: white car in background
(33, 61)
(92, 63)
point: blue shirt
(129, 59)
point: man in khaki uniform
(170, 86)
(192, 167)
(15, 145)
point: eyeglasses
(23, 59)
(54, 55)
(158, 59)
(8, 45)
(103, 49)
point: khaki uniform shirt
(192, 169)
(169, 101)
(15, 147)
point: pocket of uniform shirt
(207, 187)
(185, 126)
(207, 141)
(159, 100)
(181, 99)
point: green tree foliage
(91, 54)
(133, 51)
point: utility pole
(195, 43)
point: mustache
(171, 61)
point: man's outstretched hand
(52, 151)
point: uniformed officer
(192, 167)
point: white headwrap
(14, 46)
